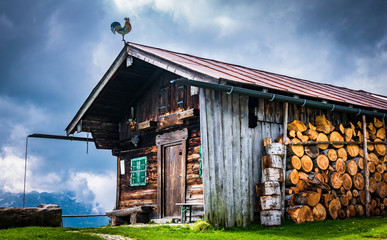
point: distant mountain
(67, 201)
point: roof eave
(170, 66)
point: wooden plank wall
(231, 150)
(227, 158)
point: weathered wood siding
(147, 105)
(131, 196)
(147, 108)
(227, 158)
(233, 128)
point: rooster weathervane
(116, 27)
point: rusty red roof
(231, 72)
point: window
(180, 96)
(163, 101)
(172, 98)
(138, 171)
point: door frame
(163, 141)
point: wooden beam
(89, 125)
(366, 172)
(168, 121)
(188, 114)
(147, 125)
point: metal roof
(235, 73)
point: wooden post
(286, 107)
(118, 183)
(366, 172)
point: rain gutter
(280, 98)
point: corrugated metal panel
(235, 73)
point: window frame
(138, 176)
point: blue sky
(54, 52)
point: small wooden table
(187, 206)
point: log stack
(327, 179)
(269, 190)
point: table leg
(190, 213)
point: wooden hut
(187, 129)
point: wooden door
(171, 172)
(173, 163)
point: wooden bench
(139, 214)
(187, 207)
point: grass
(375, 228)
(28, 233)
(372, 228)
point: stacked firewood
(328, 179)
(269, 190)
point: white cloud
(96, 188)
(17, 122)
(12, 171)
(12, 163)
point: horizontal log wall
(147, 105)
(147, 195)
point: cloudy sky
(53, 52)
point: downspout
(280, 98)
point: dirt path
(109, 237)
(105, 236)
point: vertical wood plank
(118, 187)
(261, 110)
(184, 170)
(159, 182)
(245, 160)
(218, 159)
(258, 152)
(204, 144)
(211, 153)
(236, 153)
(228, 159)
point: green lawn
(329, 229)
(28, 233)
(373, 228)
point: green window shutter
(138, 171)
